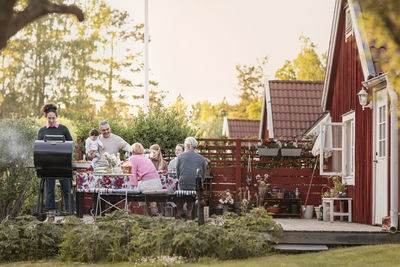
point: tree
(307, 66)
(12, 21)
(179, 107)
(287, 72)
(207, 119)
(117, 29)
(382, 24)
(251, 84)
(55, 58)
(164, 128)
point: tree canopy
(307, 66)
(13, 20)
(382, 23)
(73, 64)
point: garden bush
(158, 127)
(26, 238)
(121, 237)
(17, 182)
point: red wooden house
(362, 141)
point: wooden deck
(314, 232)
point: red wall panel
(345, 83)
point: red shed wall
(345, 82)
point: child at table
(93, 146)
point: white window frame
(348, 156)
(325, 127)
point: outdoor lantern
(363, 98)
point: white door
(381, 167)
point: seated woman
(157, 158)
(143, 168)
(179, 149)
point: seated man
(187, 164)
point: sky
(196, 44)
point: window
(349, 23)
(331, 148)
(382, 132)
(348, 147)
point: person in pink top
(144, 175)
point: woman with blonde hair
(157, 158)
(143, 168)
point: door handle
(375, 161)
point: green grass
(381, 255)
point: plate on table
(81, 164)
(100, 169)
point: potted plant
(226, 199)
(339, 189)
(263, 186)
(291, 149)
(269, 148)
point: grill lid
(53, 157)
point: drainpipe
(394, 163)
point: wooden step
(299, 247)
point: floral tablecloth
(93, 181)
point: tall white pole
(146, 57)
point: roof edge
(361, 41)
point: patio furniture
(332, 203)
(114, 190)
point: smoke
(15, 145)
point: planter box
(291, 152)
(271, 152)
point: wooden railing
(228, 163)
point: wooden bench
(113, 189)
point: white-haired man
(187, 164)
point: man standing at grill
(187, 164)
(112, 143)
(54, 128)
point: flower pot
(218, 210)
(270, 152)
(291, 152)
(237, 208)
(308, 211)
(226, 207)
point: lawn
(381, 255)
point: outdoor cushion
(185, 192)
(155, 192)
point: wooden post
(238, 168)
(200, 197)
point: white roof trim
(317, 125)
(270, 123)
(362, 46)
(260, 130)
(331, 49)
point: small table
(341, 213)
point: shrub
(165, 128)
(26, 238)
(17, 182)
(122, 237)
